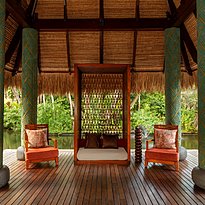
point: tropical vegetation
(147, 109)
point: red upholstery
(41, 153)
(162, 154)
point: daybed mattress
(102, 154)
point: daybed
(102, 108)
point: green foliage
(150, 111)
(12, 116)
(56, 115)
(189, 111)
(147, 111)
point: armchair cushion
(165, 139)
(162, 154)
(37, 138)
(41, 153)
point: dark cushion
(92, 140)
(110, 141)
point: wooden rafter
(31, 8)
(183, 12)
(137, 16)
(185, 57)
(189, 43)
(102, 9)
(65, 10)
(18, 59)
(39, 53)
(18, 13)
(102, 32)
(101, 47)
(184, 38)
(7, 14)
(67, 37)
(172, 8)
(163, 70)
(129, 24)
(13, 45)
(195, 13)
(68, 51)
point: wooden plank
(83, 185)
(100, 184)
(49, 194)
(45, 185)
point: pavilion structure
(40, 41)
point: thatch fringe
(188, 81)
(58, 84)
(12, 81)
(147, 82)
(63, 83)
(156, 81)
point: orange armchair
(37, 147)
(166, 148)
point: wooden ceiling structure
(100, 31)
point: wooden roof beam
(129, 24)
(65, 10)
(39, 53)
(13, 45)
(137, 16)
(101, 32)
(68, 51)
(189, 43)
(101, 47)
(31, 8)
(183, 12)
(184, 33)
(185, 57)
(18, 59)
(18, 13)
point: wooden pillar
(2, 64)
(172, 78)
(4, 170)
(198, 173)
(29, 78)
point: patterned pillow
(37, 138)
(165, 138)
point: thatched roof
(100, 31)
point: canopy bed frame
(102, 110)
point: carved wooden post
(4, 170)
(198, 173)
(173, 82)
(138, 145)
(29, 81)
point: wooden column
(4, 170)
(198, 173)
(172, 78)
(2, 64)
(29, 78)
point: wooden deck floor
(99, 184)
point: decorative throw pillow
(110, 141)
(92, 140)
(37, 138)
(165, 138)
